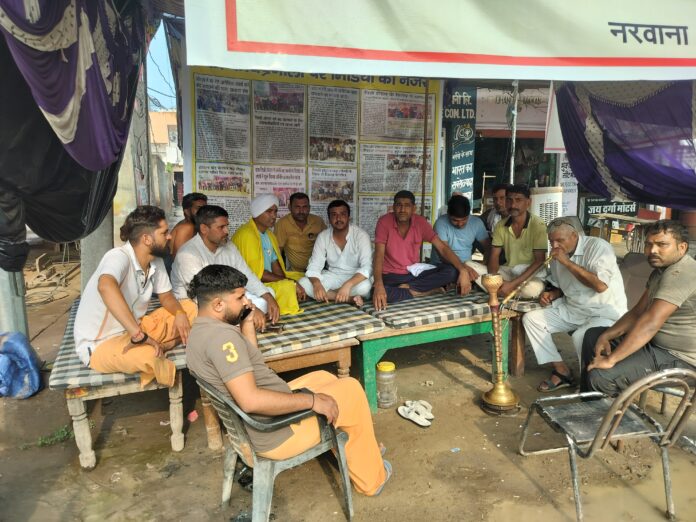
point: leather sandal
(566, 381)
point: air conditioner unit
(547, 202)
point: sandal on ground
(423, 408)
(412, 415)
(388, 469)
(566, 381)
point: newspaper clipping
(333, 125)
(281, 181)
(327, 184)
(222, 119)
(237, 208)
(371, 208)
(390, 168)
(216, 178)
(387, 115)
(279, 122)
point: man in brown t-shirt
(657, 333)
(224, 353)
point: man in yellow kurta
(259, 247)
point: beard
(236, 319)
(160, 250)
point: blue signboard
(460, 113)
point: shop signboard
(460, 114)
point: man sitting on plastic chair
(222, 350)
(657, 333)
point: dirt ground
(465, 467)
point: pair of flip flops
(565, 381)
(419, 412)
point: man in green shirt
(522, 237)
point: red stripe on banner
(235, 45)
(231, 15)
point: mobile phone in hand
(245, 313)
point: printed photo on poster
(212, 178)
(387, 115)
(222, 119)
(281, 181)
(327, 184)
(333, 125)
(279, 122)
(390, 168)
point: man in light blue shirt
(460, 230)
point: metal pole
(94, 246)
(515, 98)
(13, 311)
(424, 166)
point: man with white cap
(210, 246)
(259, 248)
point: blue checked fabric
(438, 308)
(69, 372)
(318, 324)
(524, 306)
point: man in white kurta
(346, 251)
(588, 291)
(210, 246)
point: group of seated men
(583, 294)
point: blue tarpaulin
(19, 367)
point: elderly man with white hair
(588, 292)
(259, 248)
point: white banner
(525, 39)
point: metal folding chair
(236, 420)
(592, 420)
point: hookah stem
(497, 341)
(512, 294)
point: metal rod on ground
(515, 98)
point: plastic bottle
(386, 384)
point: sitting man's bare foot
(358, 301)
(403, 285)
(438, 290)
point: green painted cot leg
(370, 358)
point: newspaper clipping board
(356, 138)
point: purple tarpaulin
(632, 140)
(77, 56)
(54, 185)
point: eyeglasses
(557, 222)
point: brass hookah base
(500, 400)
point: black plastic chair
(592, 420)
(235, 421)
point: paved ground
(465, 467)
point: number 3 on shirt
(232, 356)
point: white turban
(262, 203)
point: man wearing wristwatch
(113, 333)
(223, 351)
